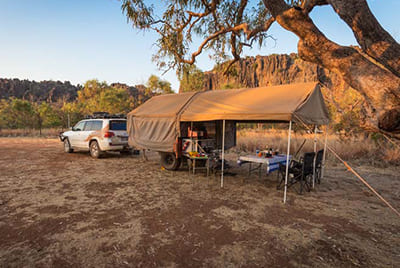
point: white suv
(97, 135)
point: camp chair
(318, 166)
(299, 172)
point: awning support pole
(324, 155)
(287, 162)
(315, 157)
(191, 137)
(223, 153)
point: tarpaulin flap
(154, 125)
(313, 110)
(157, 134)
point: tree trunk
(40, 125)
(380, 87)
(370, 35)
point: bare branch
(241, 27)
(205, 42)
(198, 15)
(235, 53)
(226, 71)
(265, 27)
(242, 6)
(308, 5)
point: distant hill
(52, 91)
(49, 91)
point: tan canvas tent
(155, 124)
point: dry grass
(392, 155)
(48, 132)
(354, 149)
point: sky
(75, 40)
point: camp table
(271, 162)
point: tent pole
(315, 151)
(287, 162)
(191, 136)
(223, 153)
(324, 155)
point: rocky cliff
(270, 70)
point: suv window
(93, 125)
(118, 125)
(79, 126)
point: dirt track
(68, 210)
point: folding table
(271, 162)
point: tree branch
(308, 5)
(203, 44)
(265, 27)
(382, 95)
(241, 27)
(242, 6)
(373, 39)
(235, 54)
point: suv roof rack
(104, 115)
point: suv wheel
(94, 149)
(169, 161)
(67, 146)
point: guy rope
(356, 174)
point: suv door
(92, 129)
(74, 138)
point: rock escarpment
(270, 70)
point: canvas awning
(155, 124)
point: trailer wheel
(169, 161)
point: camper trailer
(195, 125)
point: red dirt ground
(68, 210)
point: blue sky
(78, 40)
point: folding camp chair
(318, 166)
(299, 172)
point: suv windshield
(118, 125)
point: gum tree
(372, 68)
